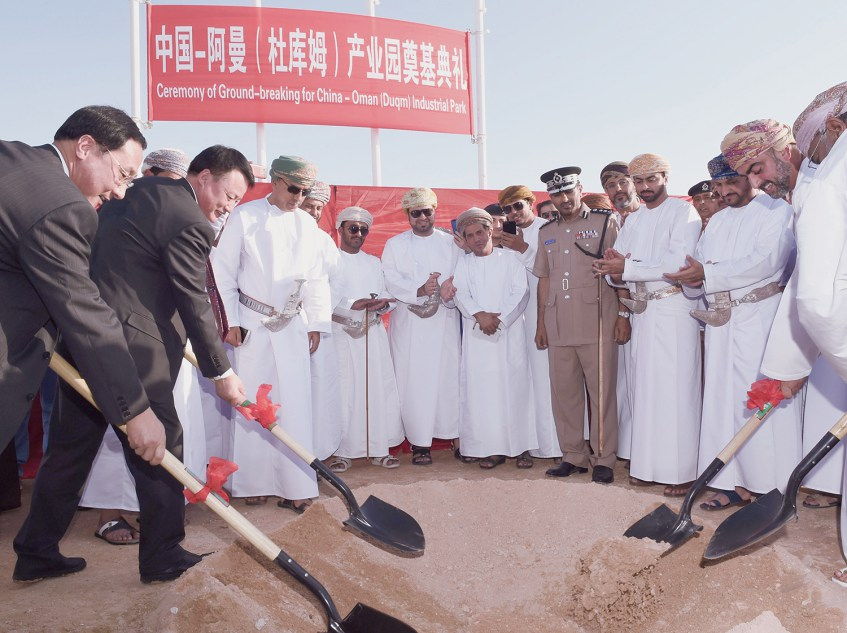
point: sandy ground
(507, 550)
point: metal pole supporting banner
(376, 157)
(479, 139)
(135, 59)
(261, 141)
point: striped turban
(320, 192)
(645, 164)
(746, 142)
(831, 102)
(615, 168)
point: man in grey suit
(47, 222)
(149, 262)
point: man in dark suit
(149, 263)
(47, 222)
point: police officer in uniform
(568, 326)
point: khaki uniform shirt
(570, 314)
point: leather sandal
(524, 460)
(492, 461)
(421, 456)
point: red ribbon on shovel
(263, 410)
(217, 472)
(764, 394)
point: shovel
(770, 512)
(375, 518)
(361, 619)
(665, 526)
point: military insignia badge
(587, 234)
(548, 242)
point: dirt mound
(614, 587)
(501, 556)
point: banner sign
(216, 63)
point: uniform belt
(720, 310)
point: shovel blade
(680, 532)
(388, 525)
(364, 619)
(750, 524)
(654, 525)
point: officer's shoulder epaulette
(603, 211)
(547, 223)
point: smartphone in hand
(510, 227)
(454, 224)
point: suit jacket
(149, 261)
(46, 229)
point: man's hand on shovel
(231, 389)
(146, 437)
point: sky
(569, 82)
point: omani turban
(419, 197)
(644, 164)
(355, 214)
(832, 102)
(748, 141)
(473, 215)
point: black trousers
(10, 483)
(76, 431)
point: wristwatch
(623, 314)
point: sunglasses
(296, 191)
(517, 206)
(355, 229)
(417, 213)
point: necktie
(215, 300)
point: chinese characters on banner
(215, 63)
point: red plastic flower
(217, 472)
(263, 410)
(763, 392)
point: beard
(782, 182)
(655, 195)
(622, 202)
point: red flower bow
(763, 392)
(263, 410)
(217, 472)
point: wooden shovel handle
(178, 470)
(743, 435)
(281, 435)
(840, 428)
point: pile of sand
(501, 556)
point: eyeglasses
(296, 191)
(417, 213)
(517, 206)
(355, 229)
(125, 177)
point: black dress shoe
(29, 571)
(602, 475)
(565, 469)
(173, 572)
